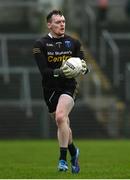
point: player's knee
(70, 132)
(60, 118)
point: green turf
(103, 159)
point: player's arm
(40, 59)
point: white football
(75, 64)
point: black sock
(63, 153)
(72, 149)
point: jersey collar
(50, 35)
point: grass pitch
(99, 159)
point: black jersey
(49, 54)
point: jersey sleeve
(80, 51)
(40, 58)
(81, 55)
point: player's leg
(74, 152)
(71, 146)
(62, 165)
(59, 107)
(64, 106)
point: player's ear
(49, 25)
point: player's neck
(55, 36)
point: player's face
(57, 25)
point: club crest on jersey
(68, 44)
(58, 44)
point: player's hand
(67, 72)
(84, 67)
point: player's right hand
(64, 71)
(67, 72)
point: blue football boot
(62, 166)
(74, 162)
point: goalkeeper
(59, 83)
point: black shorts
(51, 96)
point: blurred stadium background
(102, 107)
